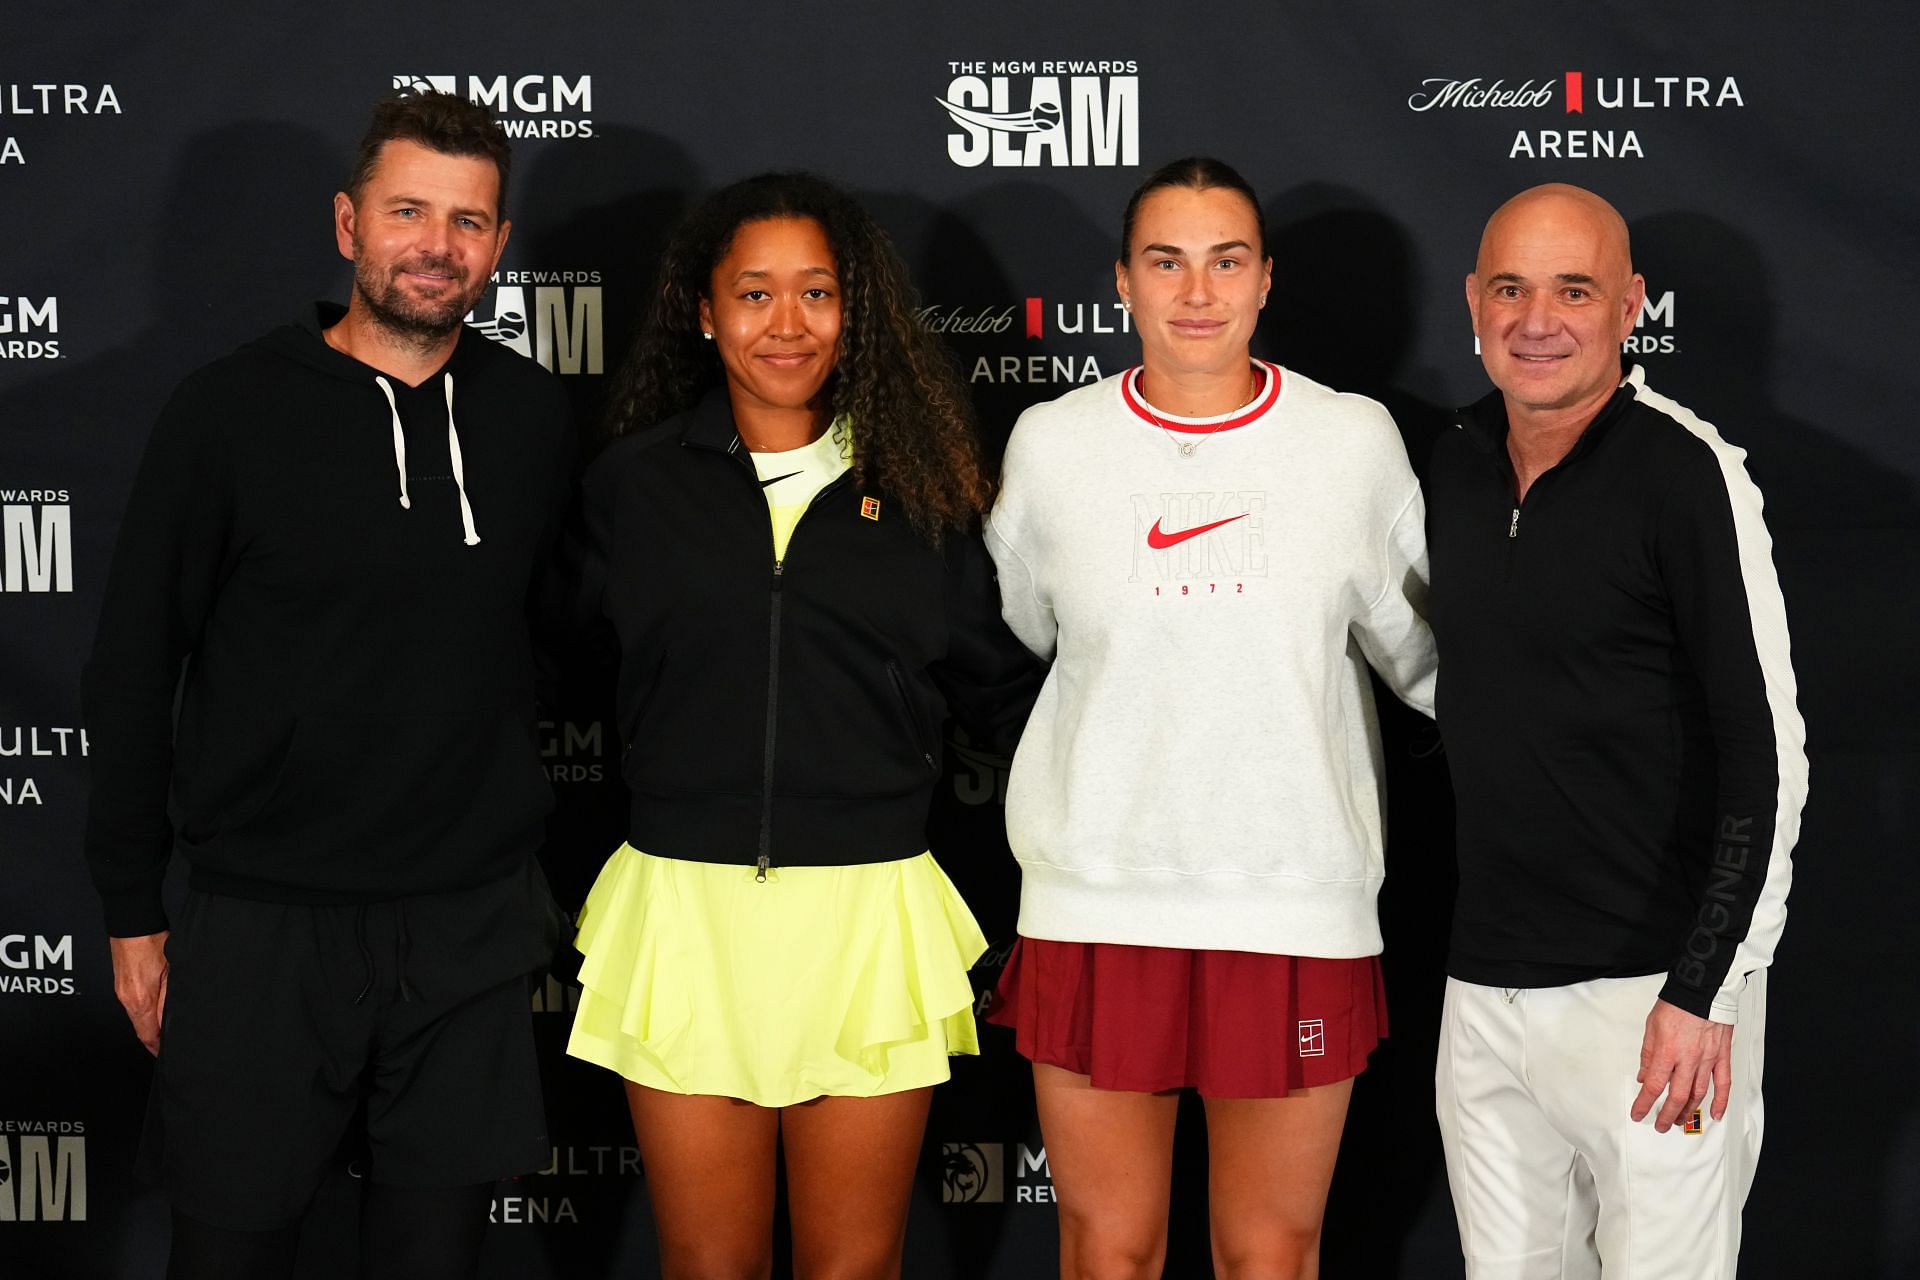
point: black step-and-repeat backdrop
(165, 176)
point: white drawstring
(453, 454)
(399, 441)
(459, 475)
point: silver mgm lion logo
(972, 1173)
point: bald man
(1618, 710)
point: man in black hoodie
(313, 680)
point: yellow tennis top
(792, 478)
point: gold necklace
(1187, 447)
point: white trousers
(1551, 1179)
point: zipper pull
(1513, 528)
(760, 869)
(779, 567)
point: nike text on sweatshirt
(1203, 767)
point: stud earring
(709, 337)
(1127, 305)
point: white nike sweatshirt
(1203, 767)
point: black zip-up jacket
(1617, 705)
(357, 719)
(785, 713)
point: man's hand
(1681, 1056)
(140, 980)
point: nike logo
(777, 479)
(1160, 541)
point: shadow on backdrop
(1846, 531)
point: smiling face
(1553, 295)
(773, 308)
(1194, 277)
(424, 237)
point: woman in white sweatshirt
(1212, 550)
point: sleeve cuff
(1719, 1006)
(134, 913)
(1726, 1001)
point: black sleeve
(989, 679)
(549, 619)
(168, 563)
(1715, 559)
(586, 543)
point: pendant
(1187, 447)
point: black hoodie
(342, 564)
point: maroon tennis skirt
(1232, 1024)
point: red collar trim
(1269, 394)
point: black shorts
(281, 1021)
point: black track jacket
(786, 713)
(1617, 705)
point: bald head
(1563, 209)
(1553, 294)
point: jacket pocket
(913, 717)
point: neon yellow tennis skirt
(849, 981)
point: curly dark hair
(913, 423)
(443, 122)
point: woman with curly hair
(784, 538)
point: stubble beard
(410, 320)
